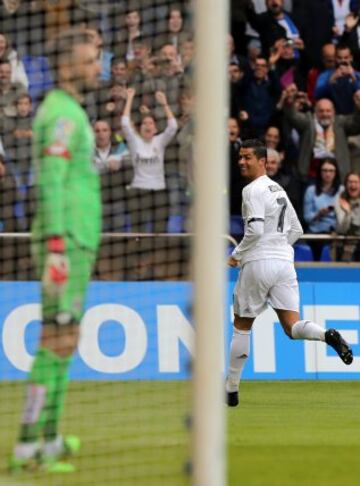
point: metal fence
(146, 256)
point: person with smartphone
(340, 83)
(319, 203)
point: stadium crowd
(294, 81)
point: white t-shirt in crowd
(148, 157)
(271, 223)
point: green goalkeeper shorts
(68, 308)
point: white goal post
(211, 102)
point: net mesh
(129, 390)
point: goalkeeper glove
(56, 271)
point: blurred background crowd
(294, 81)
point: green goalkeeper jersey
(68, 185)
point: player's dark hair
(318, 181)
(258, 147)
(61, 47)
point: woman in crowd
(147, 195)
(347, 210)
(319, 203)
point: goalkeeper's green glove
(56, 271)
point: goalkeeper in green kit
(65, 238)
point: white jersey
(270, 221)
(148, 157)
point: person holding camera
(289, 67)
(351, 35)
(319, 203)
(340, 83)
(273, 24)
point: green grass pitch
(282, 434)
(295, 433)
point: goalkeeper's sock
(239, 353)
(308, 330)
(40, 390)
(25, 451)
(57, 399)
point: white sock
(26, 450)
(239, 353)
(308, 330)
(55, 447)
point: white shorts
(263, 282)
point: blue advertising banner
(143, 331)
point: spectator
(119, 73)
(233, 56)
(260, 91)
(289, 181)
(6, 195)
(314, 32)
(252, 36)
(183, 177)
(9, 91)
(110, 103)
(168, 79)
(110, 96)
(351, 37)
(328, 62)
(236, 74)
(237, 181)
(147, 195)
(60, 15)
(109, 160)
(340, 83)
(141, 72)
(288, 66)
(274, 24)
(104, 55)
(18, 134)
(176, 33)
(347, 210)
(272, 138)
(18, 74)
(124, 43)
(319, 203)
(24, 24)
(341, 11)
(108, 156)
(18, 149)
(322, 134)
(187, 51)
(142, 64)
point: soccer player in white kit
(266, 258)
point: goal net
(128, 402)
